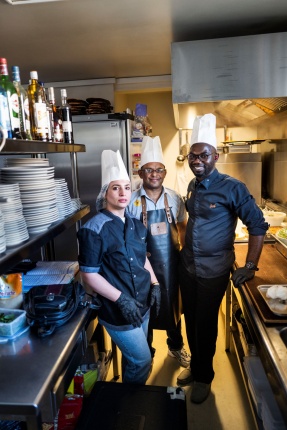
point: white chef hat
(113, 169)
(151, 151)
(204, 130)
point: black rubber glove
(129, 308)
(241, 275)
(155, 297)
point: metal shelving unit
(26, 147)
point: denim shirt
(117, 251)
(213, 206)
(175, 202)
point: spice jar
(136, 162)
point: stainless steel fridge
(96, 132)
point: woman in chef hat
(113, 264)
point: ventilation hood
(242, 80)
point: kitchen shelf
(243, 142)
(15, 254)
(277, 140)
(18, 146)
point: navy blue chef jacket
(117, 251)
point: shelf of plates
(14, 146)
(15, 254)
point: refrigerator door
(96, 132)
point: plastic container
(9, 329)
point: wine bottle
(57, 123)
(66, 115)
(24, 115)
(12, 98)
(5, 122)
(37, 108)
(49, 124)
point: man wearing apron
(163, 212)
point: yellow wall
(160, 112)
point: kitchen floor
(227, 406)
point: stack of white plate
(27, 162)
(15, 226)
(38, 195)
(64, 202)
(76, 204)
(2, 235)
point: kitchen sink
(283, 335)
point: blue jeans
(136, 357)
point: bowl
(274, 218)
(282, 235)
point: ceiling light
(21, 2)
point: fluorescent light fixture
(21, 2)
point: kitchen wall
(156, 93)
(160, 112)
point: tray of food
(275, 296)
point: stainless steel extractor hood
(242, 80)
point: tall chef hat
(113, 169)
(151, 151)
(204, 130)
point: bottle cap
(34, 74)
(64, 93)
(15, 73)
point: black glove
(155, 297)
(241, 275)
(129, 308)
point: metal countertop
(32, 369)
(267, 337)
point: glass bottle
(24, 115)
(57, 123)
(5, 122)
(49, 124)
(12, 98)
(37, 108)
(66, 115)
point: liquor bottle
(66, 115)
(12, 98)
(49, 124)
(57, 123)
(5, 122)
(24, 115)
(37, 108)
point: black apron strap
(144, 212)
(167, 209)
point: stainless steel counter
(269, 338)
(36, 372)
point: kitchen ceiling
(91, 39)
